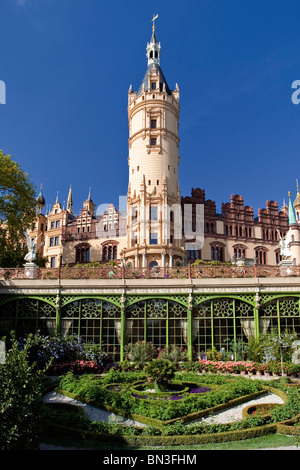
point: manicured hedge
(287, 427)
(166, 440)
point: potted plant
(160, 372)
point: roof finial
(297, 187)
(153, 19)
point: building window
(57, 223)
(110, 252)
(52, 225)
(217, 252)
(56, 241)
(52, 262)
(51, 242)
(82, 254)
(261, 255)
(153, 213)
(153, 123)
(153, 85)
(153, 238)
(153, 141)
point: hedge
(157, 423)
(143, 441)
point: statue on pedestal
(284, 245)
(31, 244)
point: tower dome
(40, 200)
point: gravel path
(92, 412)
(235, 413)
(96, 414)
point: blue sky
(68, 65)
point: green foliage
(290, 409)
(20, 399)
(140, 352)
(174, 354)
(160, 371)
(214, 355)
(163, 410)
(17, 210)
(272, 347)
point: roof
(162, 79)
(291, 213)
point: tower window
(153, 123)
(153, 213)
(153, 238)
(153, 140)
(149, 182)
(153, 85)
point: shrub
(160, 371)
(174, 354)
(64, 350)
(20, 402)
(140, 352)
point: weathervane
(153, 19)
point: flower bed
(145, 390)
(247, 367)
(78, 367)
(222, 391)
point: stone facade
(161, 227)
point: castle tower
(293, 235)
(297, 204)
(153, 199)
(89, 205)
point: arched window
(261, 255)
(83, 253)
(110, 250)
(217, 250)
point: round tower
(297, 204)
(153, 199)
(293, 236)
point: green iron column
(123, 327)
(256, 316)
(58, 314)
(190, 327)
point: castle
(160, 227)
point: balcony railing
(187, 272)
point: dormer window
(153, 85)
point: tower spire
(153, 48)
(291, 212)
(70, 201)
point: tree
(20, 398)
(17, 210)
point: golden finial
(297, 187)
(153, 19)
(289, 193)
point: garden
(167, 398)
